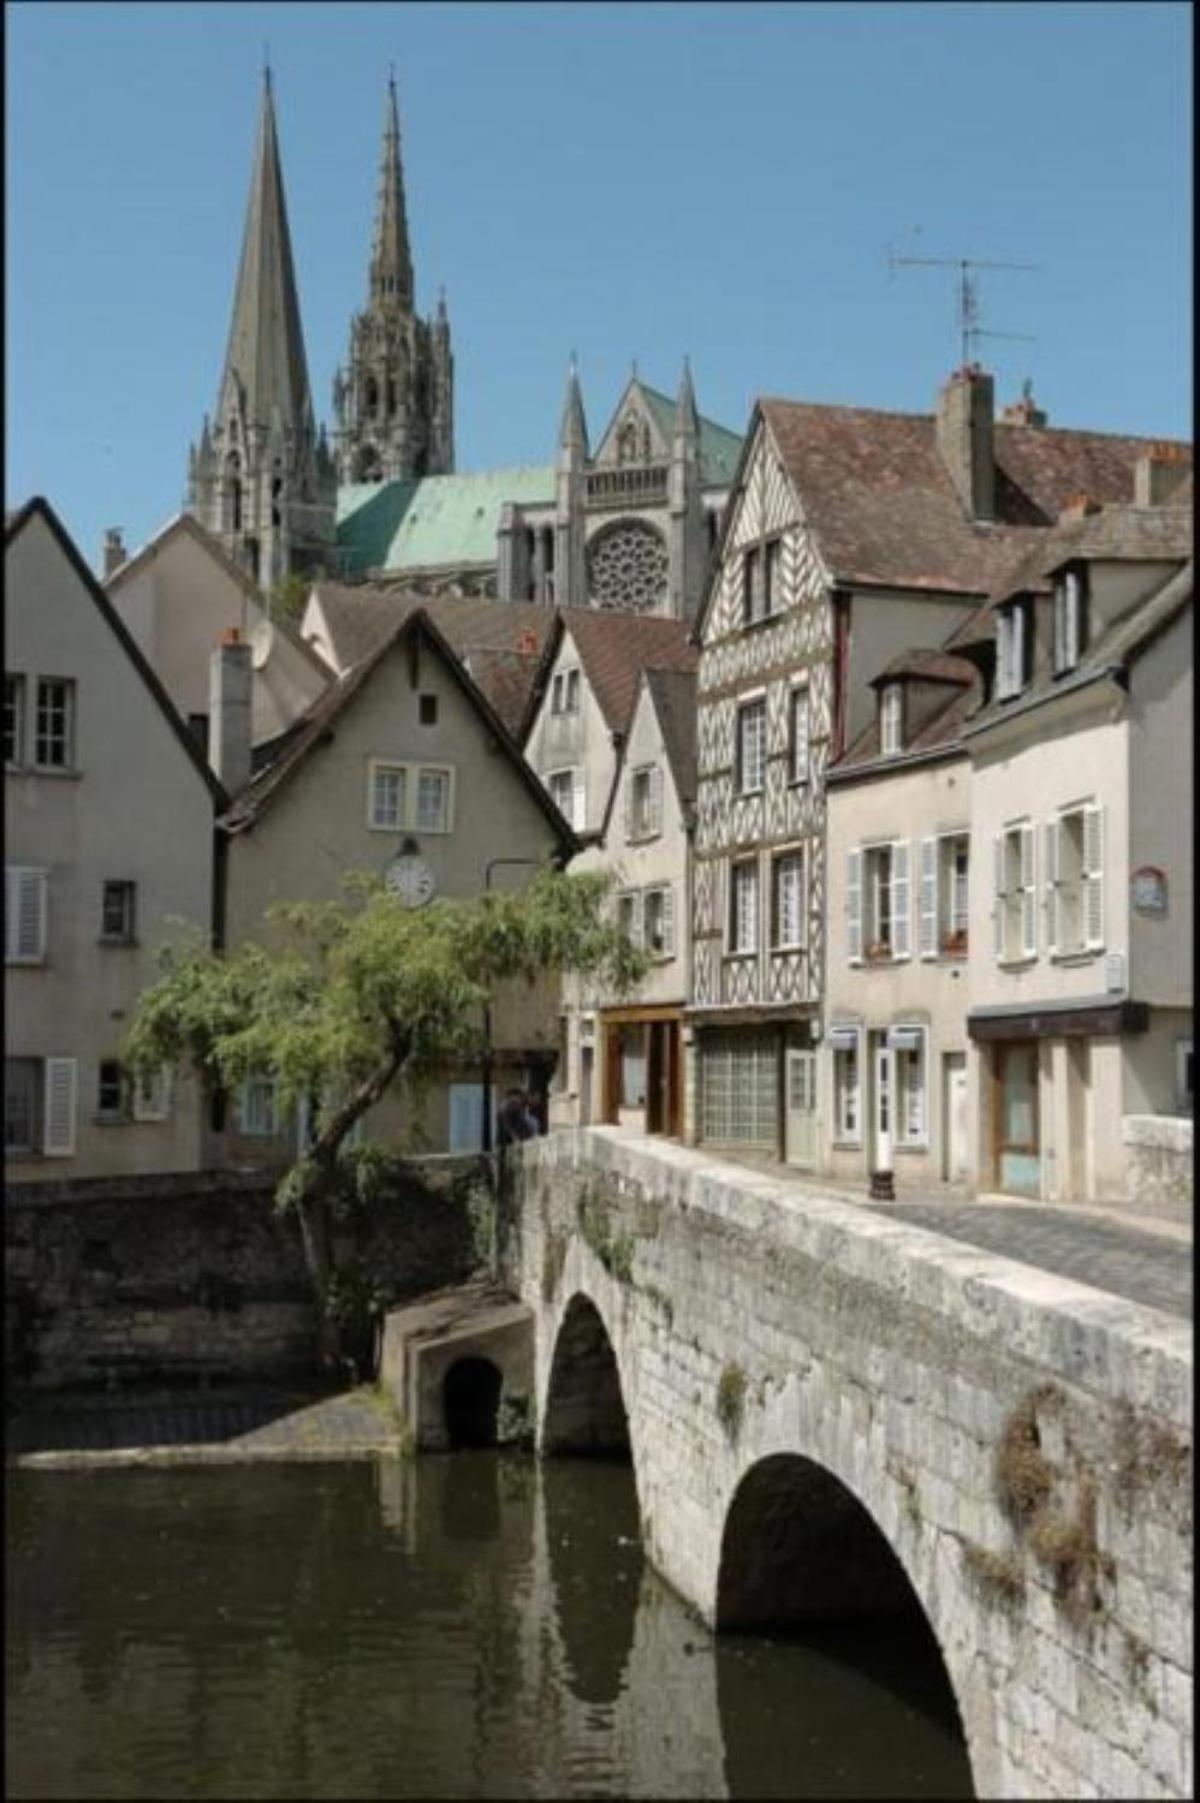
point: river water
(467, 1625)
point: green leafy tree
(290, 596)
(352, 996)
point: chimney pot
(231, 679)
(1077, 507)
(115, 553)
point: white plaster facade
(570, 742)
(108, 840)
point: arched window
(627, 442)
(371, 397)
(233, 492)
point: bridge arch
(800, 1548)
(584, 1412)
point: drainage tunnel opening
(471, 1402)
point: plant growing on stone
(350, 997)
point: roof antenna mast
(969, 328)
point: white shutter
(928, 901)
(1018, 647)
(854, 907)
(901, 930)
(58, 1113)
(998, 896)
(1028, 894)
(1052, 840)
(24, 915)
(152, 1096)
(656, 802)
(668, 921)
(1093, 880)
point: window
(1075, 881)
(14, 718)
(644, 798)
(847, 1086)
(740, 1089)
(1014, 910)
(942, 898)
(877, 903)
(118, 912)
(110, 1091)
(751, 746)
(658, 915)
(1014, 649)
(198, 727)
(787, 901)
(1185, 1094)
(387, 797)
(22, 1096)
(799, 736)
(55, 725)
(257, 1109)
(24, 915)
(632, 1041)
(629, 916)
(433, 801)
(417, 796)
(567, 794)
(891, 707)
(761, 566)
(427, 709)
(772, 570)
(152, 1095)
(743, 908)
(564, 692)
(908, 1050)
(1070, 619)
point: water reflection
(465, 1625)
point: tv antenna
(968, 292)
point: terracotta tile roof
(615, 648)
(673, 693)
(883, 509)
(499, 641)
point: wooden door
(802, 1109)
(1018, 1139)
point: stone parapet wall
(1158, 1165)
(197, 1275)
(1023, 1442)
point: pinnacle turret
(687, 419)
(572, 437)
(391, 264)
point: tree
(289, 597)
(353, 995)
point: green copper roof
(719, 449)
(435, 521)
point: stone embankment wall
(1023, 1443)
(192, 1276)
(1158, 1165)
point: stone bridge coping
(1092, 1339)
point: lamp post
(493, 864)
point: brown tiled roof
(500, 641)
(673, 693)
(883, 509)
(615, 648)
(312, 726)
(926, 666)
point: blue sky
(628, 181)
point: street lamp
(494, 864)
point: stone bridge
(834, 1415)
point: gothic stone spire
(391, 264)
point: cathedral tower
(395, 400)
(261, 478)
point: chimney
(1158, 474)
(1024, 412)
(965, 412)
(1077, 507)
(114, 551)
(230, 680)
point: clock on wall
(410, 880)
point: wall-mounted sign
(1149, 887)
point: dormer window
(1014, 648)
(564, 692)
(1070, 619)
(891, 701)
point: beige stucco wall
(925, 800)
(1062, 756)
(177, 599)
(1160, 812)
(315, 831)
(574, 741)
(135, 808)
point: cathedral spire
(391, 264)
(265, 356)
(572, 437)
(687, 420)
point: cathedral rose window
(627, 566)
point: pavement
(1141, 1259)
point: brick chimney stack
(965, 417)
(231, 678)
(114, 551)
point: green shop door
(1018, 1142)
